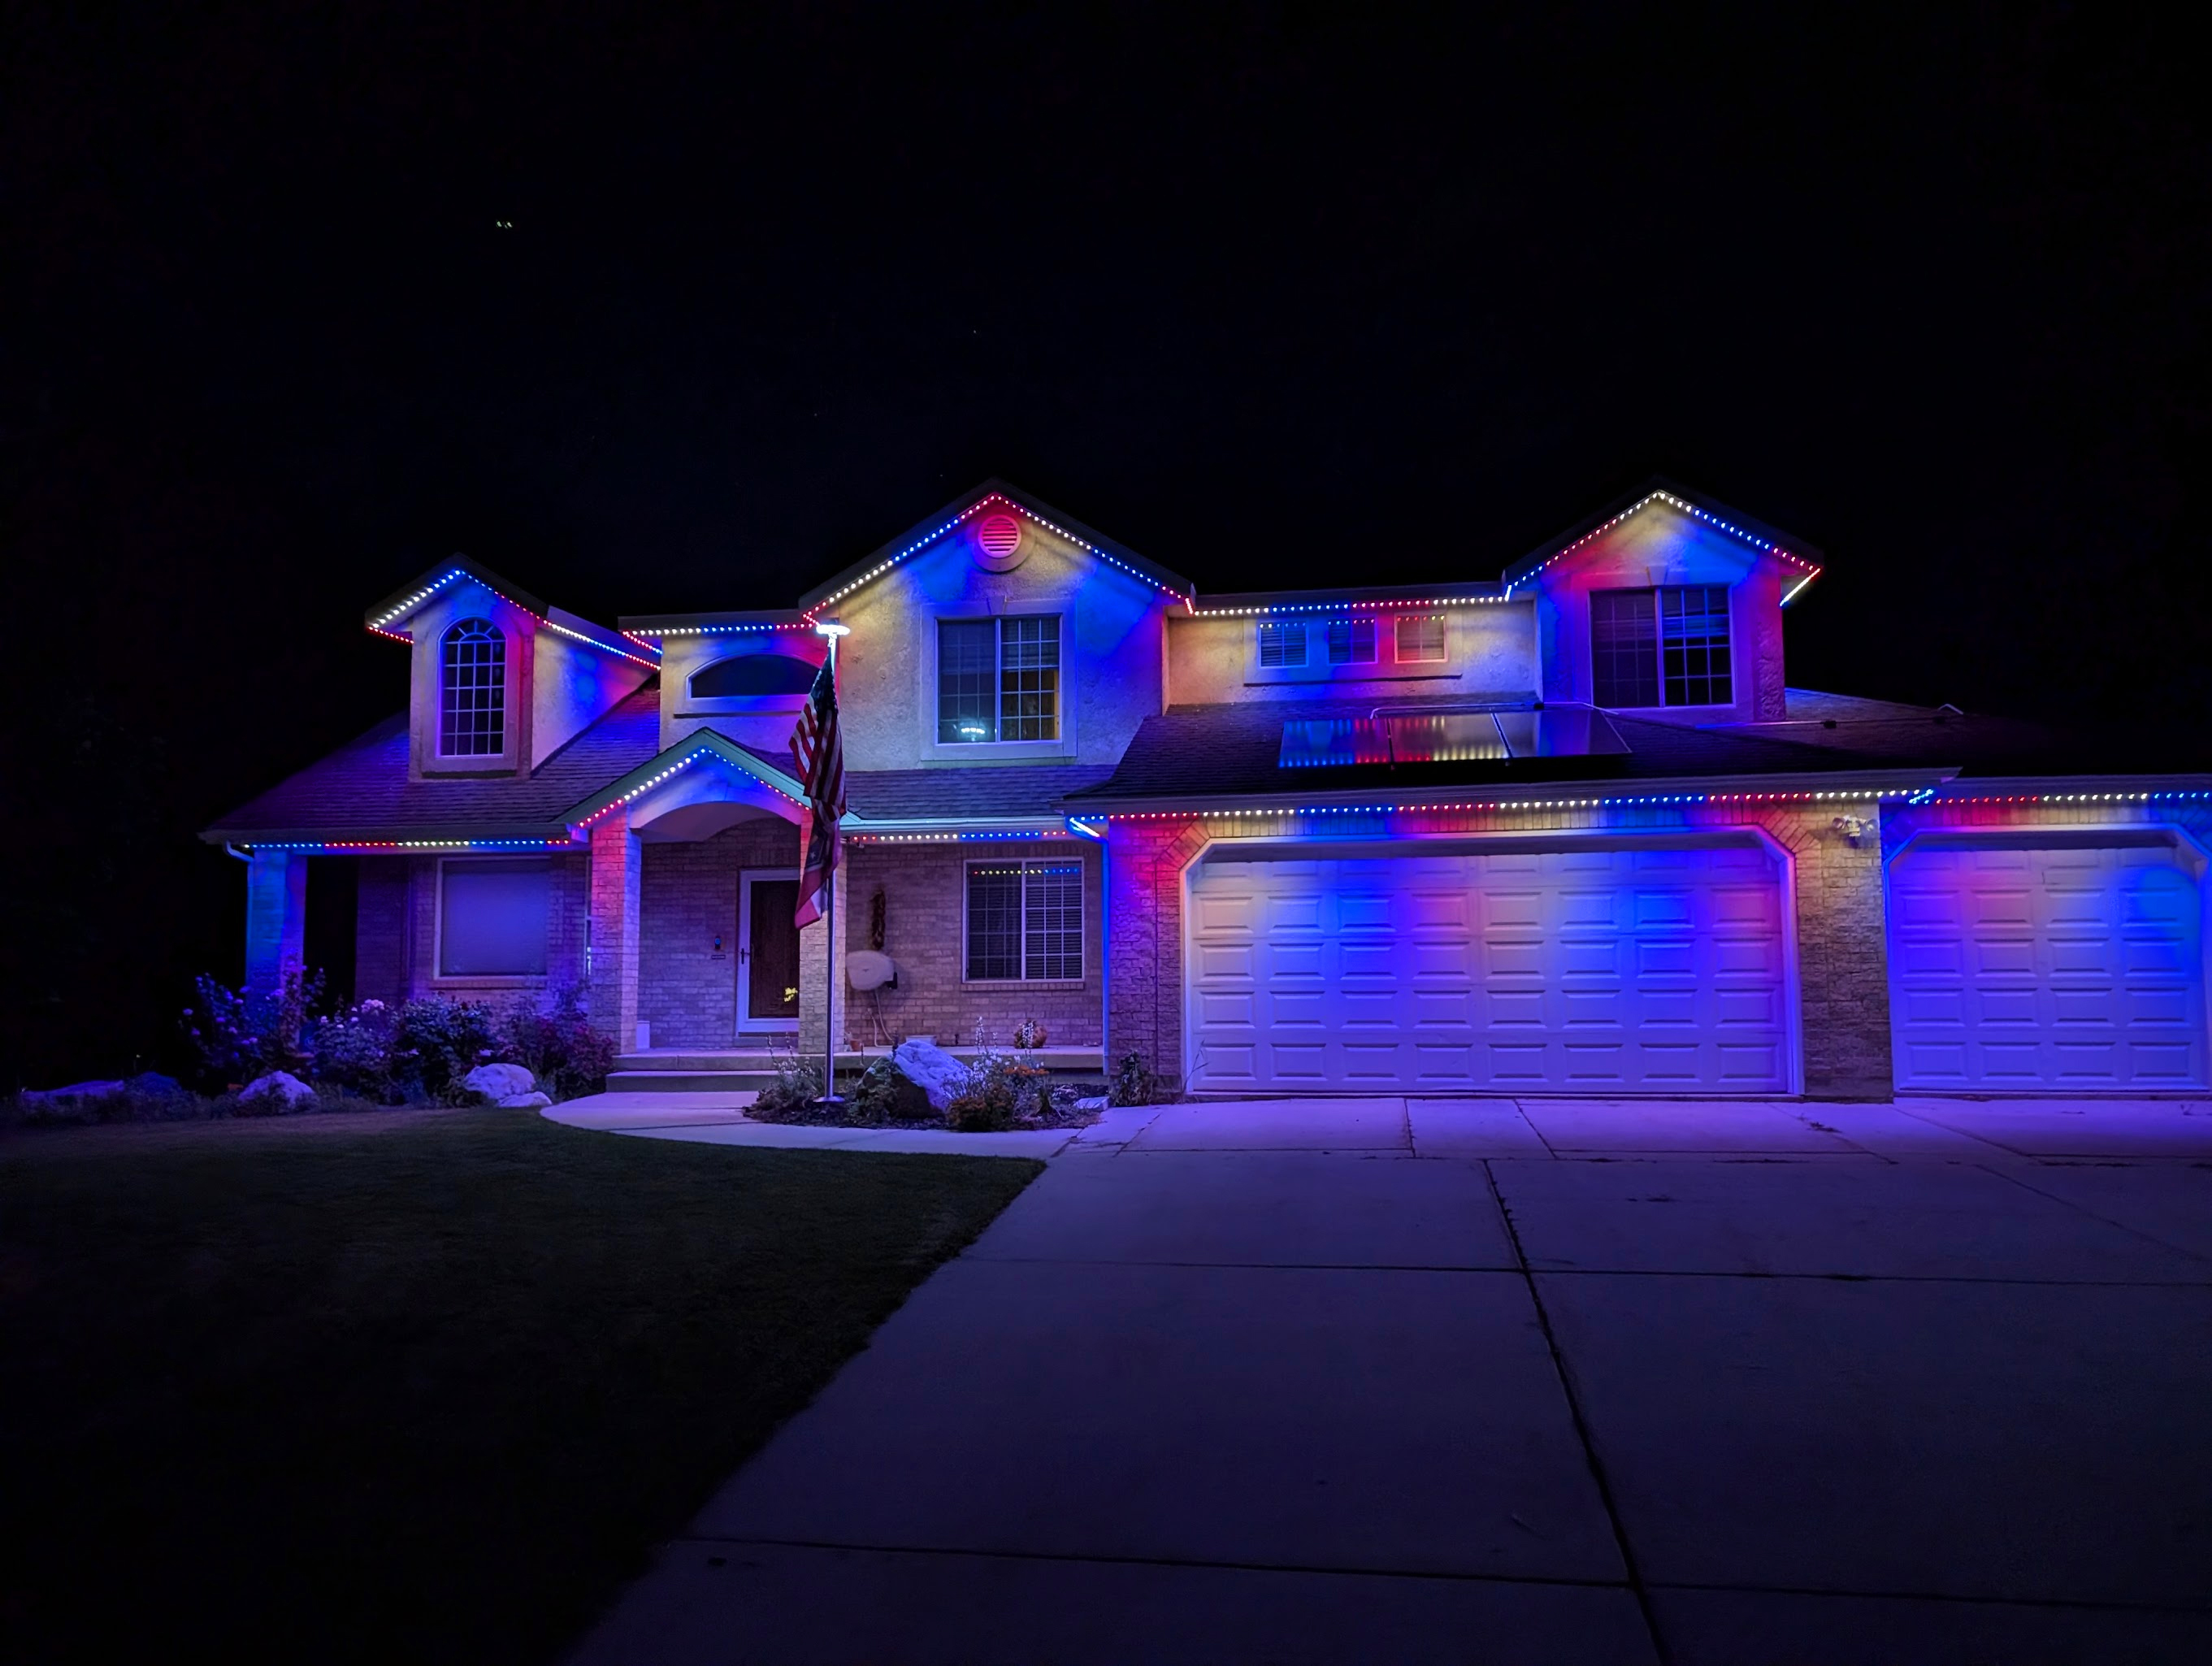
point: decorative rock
(524, 1102)
(277, 1094)
(1097, 1103)
(75, 1091)
(499, 1082)
(931, 1068)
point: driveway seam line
(2083, 1209)
(1627, 1552)
(1605, 1272)
(1126, 1560)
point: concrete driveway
(1411, 1381)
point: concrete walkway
(1587, 1383)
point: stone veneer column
(614, 898)
(276, 915)
(814, 982)
(1843, 954)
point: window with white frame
(492, 916)
(1025, 921)
(1668, 646)
(1282, 647)
(472, 692)
(997, 679)
(1421, 638)
(1351, 642)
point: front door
(768, 952)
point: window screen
(1421, 638)
(997, 679)
(1025, 921)
(1282, 646)
(1693, 645)
(1351, 642)
(492, 918)
(1624, 649)
(472, 692)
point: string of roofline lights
(1810, 570)
(376, 625)
(412, 844)
(1932, 796)
(973, 509)
(695, 755)
(972, 836)
(714, 630)
(1861, 796)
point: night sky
(660, 315)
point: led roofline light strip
(1377, 609)
(414, 845)
(711, 630)
(1860, 795)
(972, 510)
(419, 597)
(1808, 569)
(695, 755)
(977, 836)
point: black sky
(657, 312)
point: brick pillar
(614, 900)
(276, 915)
(1144, 949)
(814, 985)
(1843, 959)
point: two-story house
(1565, 831)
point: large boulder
(499, 1082)
(277, 1094)
(524, 1102)
(931, 1068)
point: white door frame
(1738, 833)
(748, 1026)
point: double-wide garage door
(1581, 970)
(2069, 967)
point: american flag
(818, 751)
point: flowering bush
(999, 1091)
(239, 1034)
(437, 1041)
(559, 1046)
(790, 1096)
(353, 1048)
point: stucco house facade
(1567, 830)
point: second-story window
(997, 679)
(1421, 638)
(1282, 646)
(1351, 642)
(472, 692)
(1668, 646)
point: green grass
(416, 1388)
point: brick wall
(687, 990)
(1842, 952)
(396, 934)
(383, 951)
(925, 899)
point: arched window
(749, 675)
(472, 692)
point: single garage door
(1514, 970)
(2079, 968)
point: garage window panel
(1025, 921)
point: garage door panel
(2078, 968)
(1581, 970)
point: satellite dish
(866, 970)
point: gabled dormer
(1666, 604)
(998, 630)
(499, 680)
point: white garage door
(1587, 970)
(2078, 969)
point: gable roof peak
(1747, 529)
(409, 598)
(927, 531)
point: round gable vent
(999, 543)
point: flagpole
(830, 1096)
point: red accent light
(999, 536)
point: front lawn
(411, 1386)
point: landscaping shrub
(352, 1050)
(1133, 1083)
(886, 1094)
(993, 1098)
(239, 1034)
(790, 1095)
(439, 1042)
(559, 1046)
